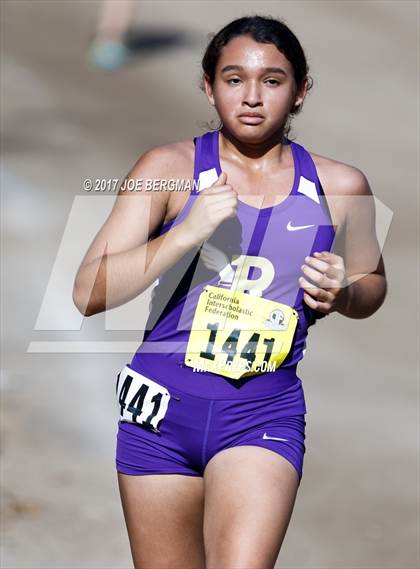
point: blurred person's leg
(109, 50)
(114, 19)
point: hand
(212, 206)
(329, 293)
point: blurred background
(80, 100)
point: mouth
(251, 118)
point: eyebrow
(265, 69)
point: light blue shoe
(108, 54)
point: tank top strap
(307, 170)
(310, 185)
(206, 164)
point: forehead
(251, 55)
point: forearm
(115, 279)
(363, 297)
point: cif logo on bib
(276, 320)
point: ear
(208, 89)
(301, 94)
(298, 101)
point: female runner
(210, 441)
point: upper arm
(136, 215)
(361, 250)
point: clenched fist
(210, 209)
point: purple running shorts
(163, 430)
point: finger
(319, 306)
(312, 303)
(215, 190)
(221, 180)
(308, 286)
(335, 272)
(322, 279)
(316, 277)
(318, 293)
(318, 264)
(222, 207)
(225, 201)
(336, 276)
(331, 258)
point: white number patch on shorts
(141, 400)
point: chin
(252, 133)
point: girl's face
(253, 79)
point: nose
(252, 95)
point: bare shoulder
(338, 178)
(174, 160)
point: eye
(236, 79)
(273, 82)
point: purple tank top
(270, 244)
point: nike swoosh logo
(265, 436)
(291, 227)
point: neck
(253, 154)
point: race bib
(236, 334)
(141, 400)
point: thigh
(164, 518)
(249, 493)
